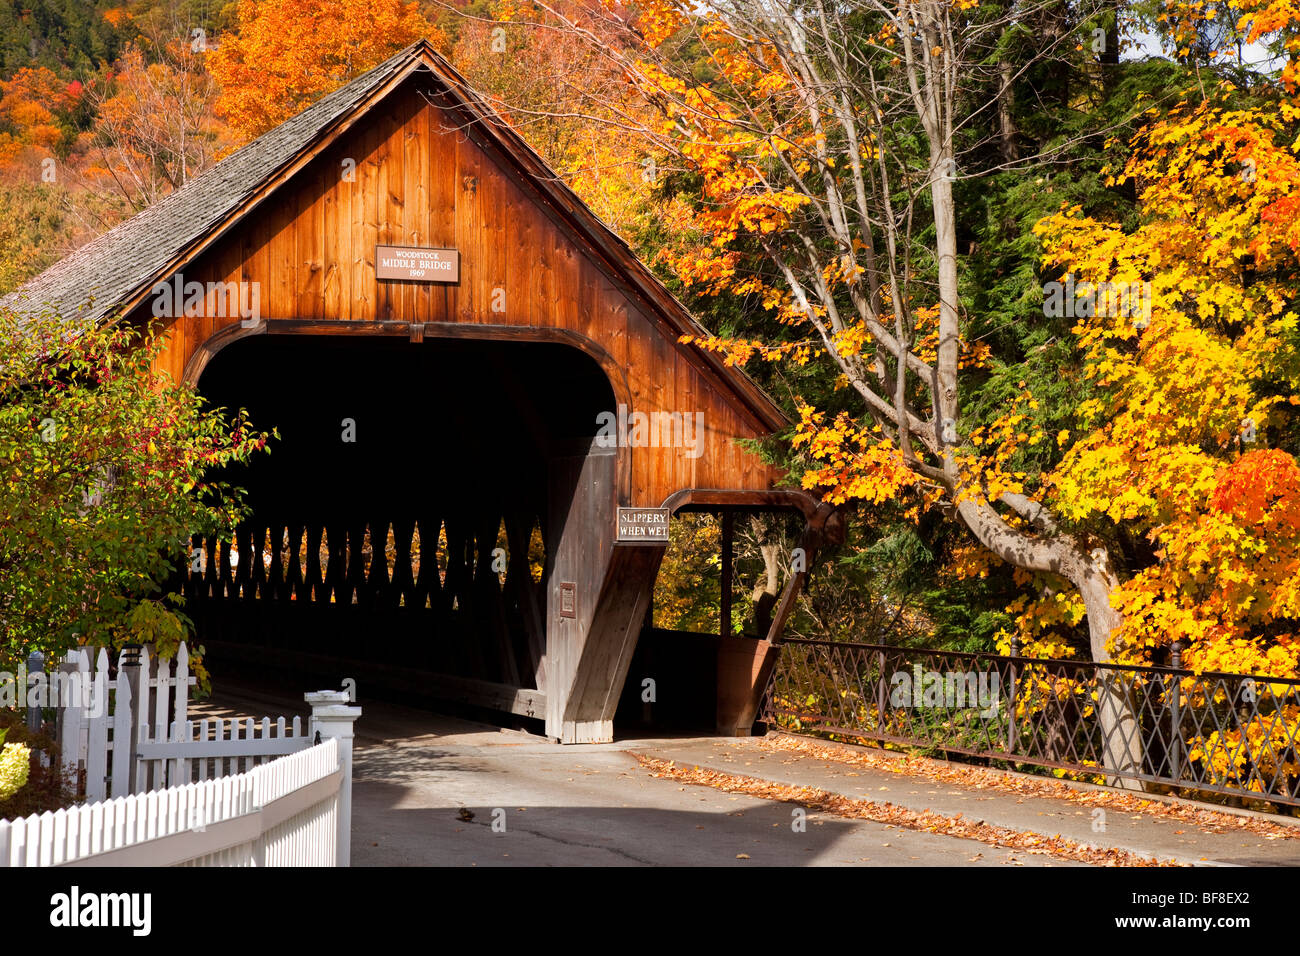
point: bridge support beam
(586, 715)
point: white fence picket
(141, 719)
(161, 713)
(203, 761)
(97, 732)
(183, 683)
(75, 663)
(121, 777)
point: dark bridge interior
(400, 523)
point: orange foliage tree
(155, 126)
(34, 109)
(286, 54)
(568, 101)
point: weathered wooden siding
(422, 181)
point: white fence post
(97, 736)
(332, 717)
(76, 665)
(123, 738)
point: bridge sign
(414, 264)
(643, 525)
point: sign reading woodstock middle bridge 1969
(415, 264)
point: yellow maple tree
(1193, 390)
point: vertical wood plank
(332, 237)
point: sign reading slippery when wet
(643, 524)
(413, 264)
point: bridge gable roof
(114, 273)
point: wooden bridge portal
(446, 338)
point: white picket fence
(165, 790)
(139, 737)
(288, 812)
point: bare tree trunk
(1006, 122)
(1120, 751)
(767, 589)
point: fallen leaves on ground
(925, 821)
(983, 778)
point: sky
(1254, 55)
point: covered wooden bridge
(486, 414)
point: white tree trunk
(1117, 720)
(1120, 748)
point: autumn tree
(1191, 439)
(37, 116)
(686, 598)
(39, 229)
(43, 119)
(155, 125)
(285, 54)
(105, 473)
(827, 142)
(832, 145)
(565, 99)
(79, 155)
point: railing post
(882, 693)
(1175, 713)
(332, 717)
(1013, 673)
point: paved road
(434, 790)
(416, 775)
(564, 806)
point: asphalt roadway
(431, 790)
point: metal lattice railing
(1220, 733)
